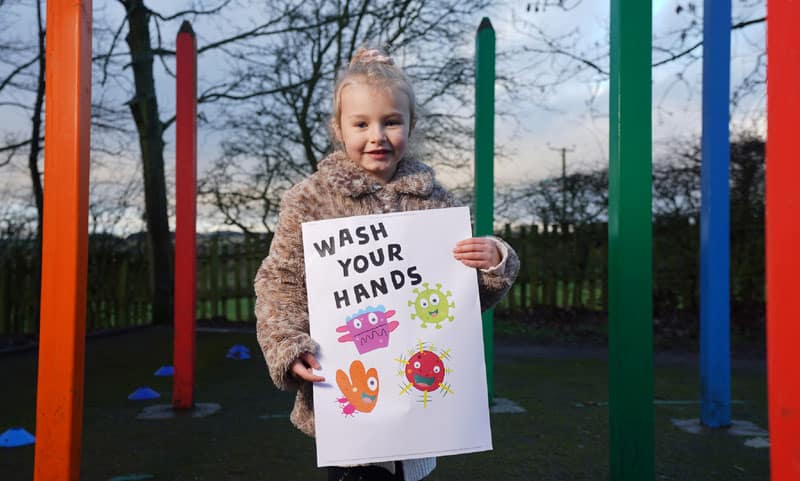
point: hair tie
(372, 56)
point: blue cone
(16, 437)
(238, 351)
(239, 355)
(165, 371)
(143, 393)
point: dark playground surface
(562, 436)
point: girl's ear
(337, 131)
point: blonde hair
(374, 67)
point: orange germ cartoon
(425, 371)
(359, 391)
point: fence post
(534, 264)
(225, 287)
(238, 263)
(5, 307)
(202, 281)
(123, 299)
(252, 244)
(524, 279)
(213, 274)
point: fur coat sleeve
(495, 282)
(281, 304)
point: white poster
(401, 343)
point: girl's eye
(361, 125)
(393, 122)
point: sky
(568, 123)
(533, 125)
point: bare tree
(676, 183)
(585, 195)
(144, 49)
(272, 140)
(144, 110)
(570, 56)
(24, 83)
(22, 88)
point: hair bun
(370, 55)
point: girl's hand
(478, 252)
(302, 366)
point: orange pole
(185, 216)
(783, 230)
(59, 404)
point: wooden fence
(563, 268)
(560, 268)
(118, 283)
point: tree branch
(735, 26)
(182, 13)
(107, 57)
(17, 70)
(12, 147)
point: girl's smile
(379, 154)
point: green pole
(484, 166)
(630, 240)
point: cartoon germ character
(425, 371)
(432, 305)
(368, 328)
(359, 391)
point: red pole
(783, 230)
(59, 403)
(185, 217)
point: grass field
(562, 436)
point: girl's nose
(377, 135)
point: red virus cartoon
(425, 371)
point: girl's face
(374, 127)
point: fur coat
(340, 188)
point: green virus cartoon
(424, 368)
(432, 306)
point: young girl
(370, 172)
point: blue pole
(715, 371)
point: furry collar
(347, 178)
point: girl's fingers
(477, 252)
(476, 264)
(474, 256)
(310, 360)
(305, 373)
(472, 244)
(302, 368)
